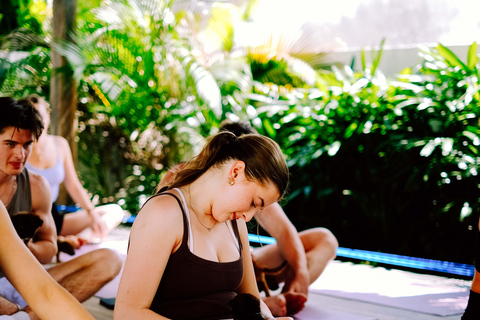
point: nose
(19, 152)
(248, 215)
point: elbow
(124, 313)
(46, 253)
(47, 257)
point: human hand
(298, 282)
(99, 226)
(74, 241)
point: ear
(237, 170)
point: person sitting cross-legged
(189, 257)
(51, 158)
(297, 259)
(28, 193)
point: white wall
(393, 59)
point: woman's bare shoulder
(61, 144)
(162, 211)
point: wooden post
(63, 89)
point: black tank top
(195, 288)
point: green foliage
(16, 14)
(386, 164)
(372, 158)
(22, 73)
(138, 72)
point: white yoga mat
(428, 294)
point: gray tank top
(22, 199)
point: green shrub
(388, 165)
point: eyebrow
(16, 142)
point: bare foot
(295, 302)
(277, 305)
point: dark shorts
(58, 217)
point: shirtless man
(21, 191)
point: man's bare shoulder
(40, 189)
(38, 183)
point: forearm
(79, 195)
(66, 306)
(292, 250)
(83, 200)
(136, 313)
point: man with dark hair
(23, 192)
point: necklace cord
(196, 215)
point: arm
(274, 220)
(29, 278)
(44, 244)
(153, 238)
(249, 284)
(74, 188)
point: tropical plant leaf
(472, 56)
(450, 57)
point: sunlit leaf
(350, 130)
(472, 56)
(269, 128)
(450, 57)
(428, 148)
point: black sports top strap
(180, 204)
(185, 221)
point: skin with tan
(15, 148)
(307, 254)
(45, 153)
(219, 195)
(29, 277)
(82, 276)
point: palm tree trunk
(63, 91)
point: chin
(16, 172)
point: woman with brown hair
(189, 254)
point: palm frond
(23, 39)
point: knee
(320, 238)
(109, 263)
(114, 211)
